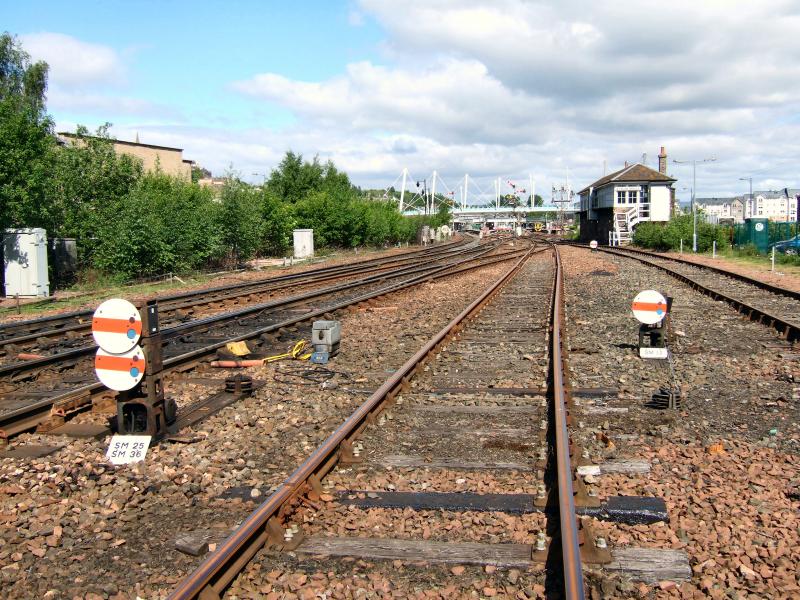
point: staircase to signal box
(625, 222)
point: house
(722, 210)
(169, 160)
(612, 206)
(775, 206)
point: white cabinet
(303, 242)
(25, 263)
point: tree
(239, 221)
(199, 173)
(293, 179)
(26, 141)
(277, 223)
(333, 220)
(538, 200)
(165, 224)
(88, 175)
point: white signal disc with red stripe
(649, 307)
(119, 372)
(116, 326)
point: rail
(787, 329)
(30, 415)
(264, 526)
(216, 572)
(570, 545)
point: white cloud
(504, 84)
(512, 87)
(88, 79)
(452, 100)
(97, 103)
(75, 63)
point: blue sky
(184, 54)
(502, 88)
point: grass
(787, 264)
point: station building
(612, 207)
(169, 160)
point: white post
(773, 258)
(466, 188)
(497, 200)
(403, 190)
(681, 245)
(714, 249)
(532, 189)
(433, 194)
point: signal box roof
(635, 173)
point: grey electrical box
(325, 336)
(25, 263)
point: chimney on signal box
(662, 161)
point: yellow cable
(295, 353)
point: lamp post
(694, 187)
(750, 202)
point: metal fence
(746, 234)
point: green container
(758, 232)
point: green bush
(650, 235)
(239, 219)
(748, 250)
(163, 225)
(87, 177)
(668, 236)
(787, 259)
(277, 223)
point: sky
(503, 88)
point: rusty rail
(788, 330)
(80, 320)
(28, 417)
(216, 572)
(36, 364)
(570, 544)
(775, 289)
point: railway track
(69, 330)
(773, 306)
(477, 420)
(28, 369)
(467, 517)
(25, 405)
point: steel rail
(788, 330)
(29, 416)
(17, 368)
(570, 544)
(217, 570)
(775, 289)
(198, 298)
(65, 322)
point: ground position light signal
(117, 328)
